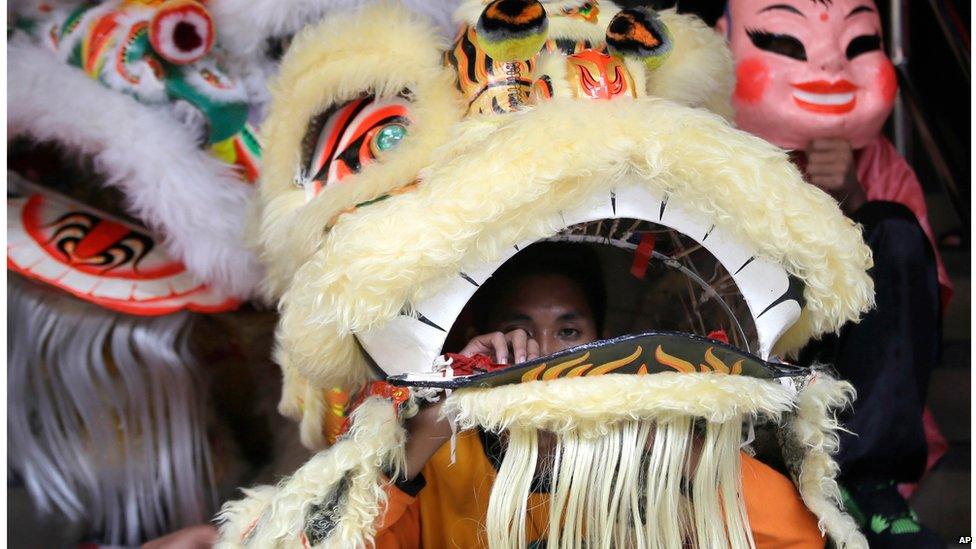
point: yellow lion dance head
(402, 170)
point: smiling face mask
(809, 69)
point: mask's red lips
(822, 86)
(822, 97)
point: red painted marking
(600, 86)
(822, 86)
(101, 237)
(824, 17)
(325, 152)
(246, 162)
(887, 81)
(751, 79)
(34, 226)
(98, 40)
(176, 10)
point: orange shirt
(450, 510)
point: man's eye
(863, 44)
(782, 44)
(568, 333)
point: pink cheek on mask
(751, 78)
(887, 81)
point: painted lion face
(403, 170)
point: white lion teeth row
(411, 342)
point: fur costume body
(142, 148)
(373, 250)
(133, 222)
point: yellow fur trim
(351, 472)
(588, 405)
(381, 50)
(500, 181)
(815, 428)
(699, 70)
(554, 65)
(238, 517)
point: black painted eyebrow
(859, 9)
(784, 7)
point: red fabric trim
(474, 364)
(718, 335)
(642, 256)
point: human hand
(202, 536)
(497, 345)
(426, 433)
(831, 167)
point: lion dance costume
(135, 160)
(402, 171)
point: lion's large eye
(342, 140)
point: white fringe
(627, 487)
(105, 417)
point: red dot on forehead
(824, 16)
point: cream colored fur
(815, 427)
(388, 50)
(604, 420)
(596, 402)
(276, 517)
(699, 70)
(603, 428)
(381, 49)
(316, 73)
(610, 433)
(499, 180)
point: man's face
(553, 309)
(809, 69)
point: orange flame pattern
(715, 364)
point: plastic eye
(386, 138)
(343, 140)
(181, 31)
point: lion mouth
(705, 299)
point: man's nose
(548, 345)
